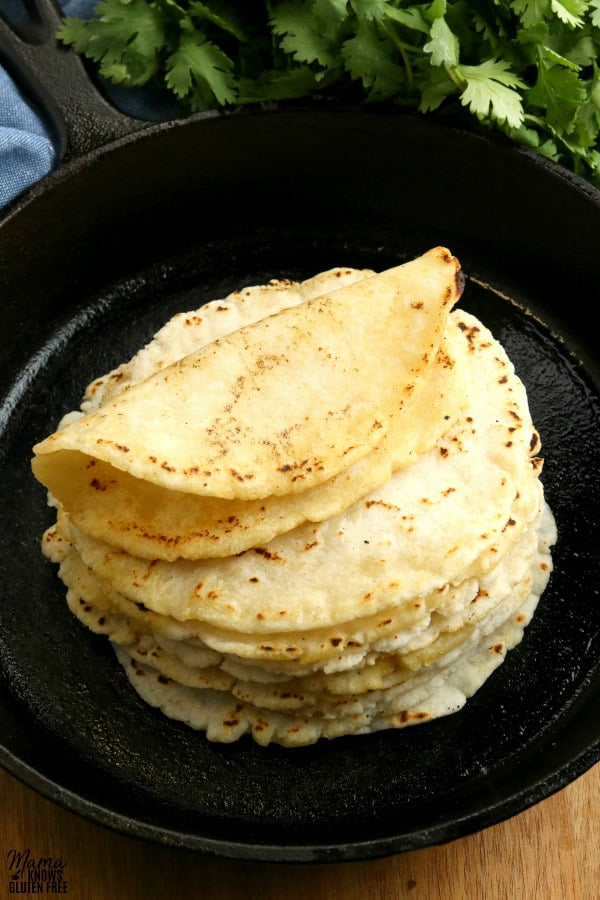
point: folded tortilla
(240, 419)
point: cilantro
(125, 40)
(369, 57)
(558, 92)
(443, 45)
(310, 38)
(198, 71)
(528, 68)
(490, 91)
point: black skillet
(138, 222)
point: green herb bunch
(526, 67)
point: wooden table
(550, 852)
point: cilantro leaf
(304, 32)
(559, 92)
(125, 40)
(368, 57)
(411, 18)
(198, 72)
(371, 10)
(569, 11)
(225, 18)
(491, 91)
(75, 33)
(442, 45)
(437, 88)
(595, 17)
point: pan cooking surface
(74, 728)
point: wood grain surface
(550, 852)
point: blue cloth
(26, 152)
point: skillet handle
(55, 79)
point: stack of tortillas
(308, 510)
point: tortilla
(187, 332)
(239, 418)
(155, 523)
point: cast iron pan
(161, 218)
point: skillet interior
(93, 261)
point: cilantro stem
(456, 77)
(534, 120)
(404, 49)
